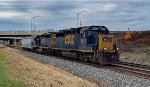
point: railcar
(30, 43)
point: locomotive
(89, 43)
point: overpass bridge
(14, 39)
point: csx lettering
(106, 39)
(53, 40)
(69, 39)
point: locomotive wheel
(53, 52)
(59, 53)
(85, 58)
(44, 51)
(93, 60)
(117, 56)
(78, 56)
(101, 59)
(49, 53)
(88, 57)
(35, 50)
(81, 57)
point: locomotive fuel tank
(69, 54)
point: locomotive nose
(106, 43)
(107, 50)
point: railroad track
(138, 70)
(135, 65)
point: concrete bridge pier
(12, 42)
(5, 42)
(15, 42)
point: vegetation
(6, 80)
(147, 48)
(137, 48)
(139, 41)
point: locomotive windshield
(100, 29)
(103, 30)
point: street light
(32, 23)
(78, 15)
(34, 28)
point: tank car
(30, 43)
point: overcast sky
(62, 14)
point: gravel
(103, 77)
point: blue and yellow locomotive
(89, 43)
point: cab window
(83, 34)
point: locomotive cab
(89, 37)
(97, 39)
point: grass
(138, 57)
(147, 49)
(6, 79)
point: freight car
(30, 43)
(89, 43)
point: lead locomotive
(89, 43)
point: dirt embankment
(35, 74)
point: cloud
(135, 22)
(63, 13)
(98, 7)
(10, 14)
(4, 3)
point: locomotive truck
(89, 43)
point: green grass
(6, 79)
(147, 49)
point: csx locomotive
(89, 43)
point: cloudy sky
(62, 14)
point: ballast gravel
(103, 77)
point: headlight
(105, 49)
(117, 48)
